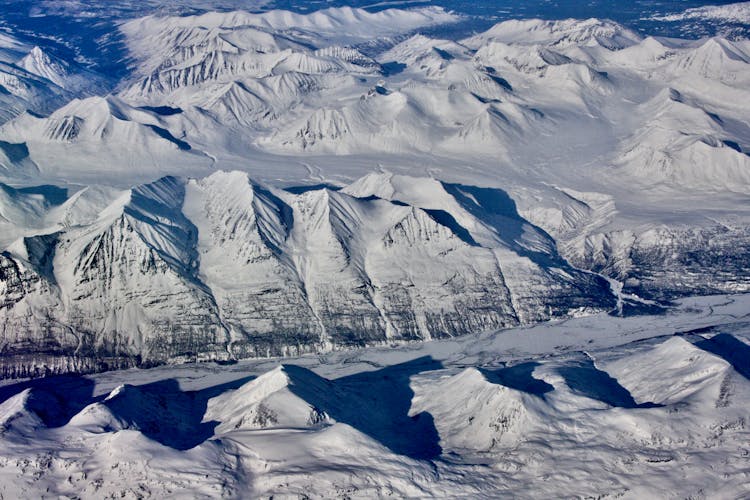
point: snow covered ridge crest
(223, 268)
(631, 407)
(334, 21)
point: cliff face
(220, 268)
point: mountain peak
(42, 64)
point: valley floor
(595, 407)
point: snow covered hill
(596, 406)
(88, 136)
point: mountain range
(271, 184)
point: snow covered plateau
(376, 251)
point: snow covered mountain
(222, 268)
(237, 84)
(370, 252)
(592, 406)
(21, 90)
(87, 135)
(453, 185)
(33, 80)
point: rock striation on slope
(222, 268)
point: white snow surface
(533, 142)
(591, 407)
(736, 12)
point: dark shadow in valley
(377, 404)
(444, 54)
(167, 135)
(55, 400)
(519, 377)
(585, 379)
(15, 152)
(502, 82)
(392, 68)
(160, 410)
(444, 218)
(728, 347)
(162, 110)
(53, 194)
(311, 187)
(497, 209)
(167, 414)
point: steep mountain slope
(487, 218)
(242, 231)
(98, 291)
(33, 80)
(21, 90)
(64, 74)
(223, 268)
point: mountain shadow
(55, 400)
(377, 404)
(312, 187)
(53, 194)
(519, 377)
(167, 414)
(162, 110)
(728, 347)
(497, 209)
(160, 410)
(167, 135)
(586, 379)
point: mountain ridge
(179, 268)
